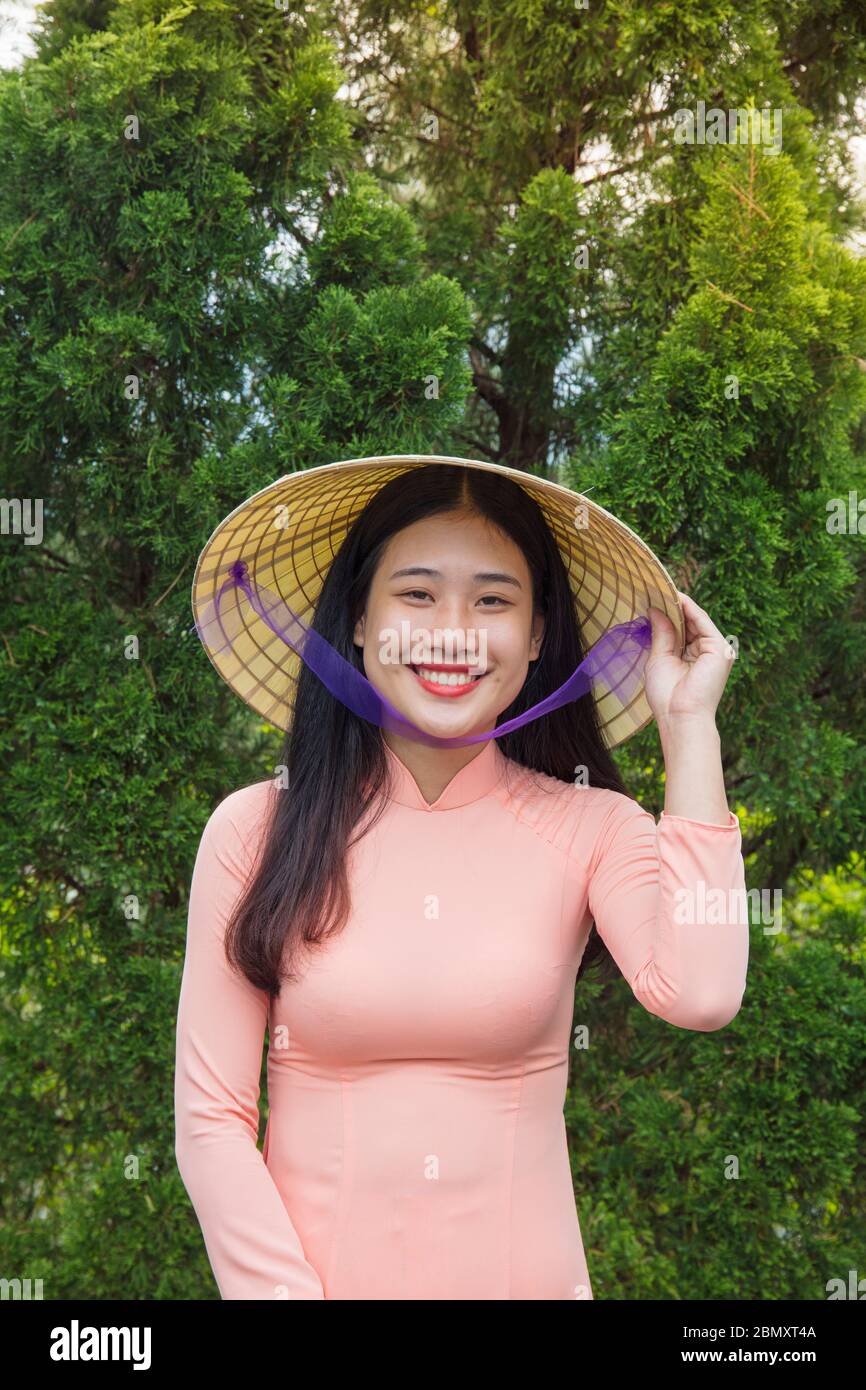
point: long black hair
(335, 761)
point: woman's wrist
(688, 727)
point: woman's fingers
(698, 622)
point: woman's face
(491, 620)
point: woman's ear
(359, 633)
(537, 636)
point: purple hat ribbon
(618, 659)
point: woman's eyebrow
(489, 577)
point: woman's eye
(421, 593)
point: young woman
(408, 904)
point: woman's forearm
(694, 780)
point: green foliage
(729, 1165)
(728, 453)
(237, 241)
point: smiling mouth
(447, 680)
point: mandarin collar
(473, 781)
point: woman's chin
(446, 723)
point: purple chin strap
(618, 659)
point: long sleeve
(252, 1245)
(669, 901)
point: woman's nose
(459, 617)
(455, 612)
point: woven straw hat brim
(290, 532)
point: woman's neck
(432, 768)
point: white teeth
(445, 677)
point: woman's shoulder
(569, 815)
(241, 816)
